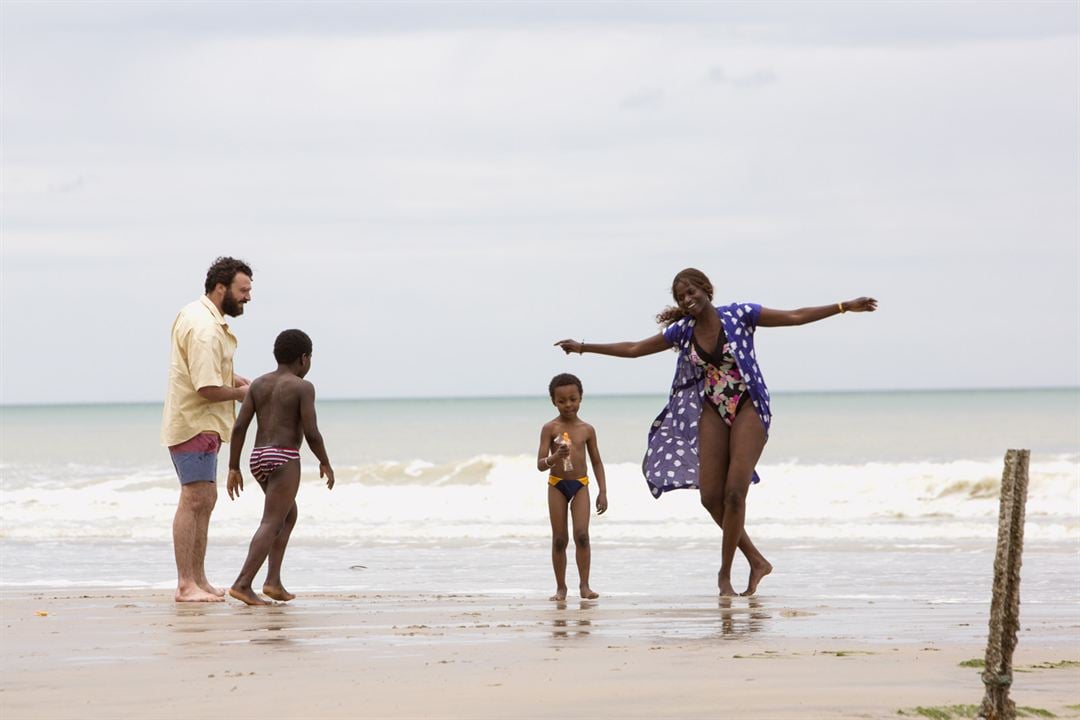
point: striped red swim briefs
(265, 460)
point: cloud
(644, 100)
(758, 78)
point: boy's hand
(327, 472)
(235, 484)
(562, 450)
(601, 503)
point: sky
(437, 192)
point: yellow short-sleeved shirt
(202, 356)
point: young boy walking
(284, 405)
(563, 445)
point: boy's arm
(598, 471)
(311, 431)
(235, 483)
(545, 459)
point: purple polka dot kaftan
(671, 461)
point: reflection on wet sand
(742, 621)
(572, 627)
(269, 623)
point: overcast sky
(438, 192)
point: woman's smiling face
(691, 299)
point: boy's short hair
(290, 345)
(564, 379)
(223, 271)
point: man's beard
(231, 306)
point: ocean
(863, 495)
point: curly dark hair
(290, 345)
(696, 278)
(564, 379)
(224, 270)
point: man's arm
(215, 393)
(311, 431)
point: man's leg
(197, 500)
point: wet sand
(98, 654)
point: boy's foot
(560, 594)
(277, 592)
(756, 573)
(588, 593)
(197, 594)
(726, 589)
(247, 596)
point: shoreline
(101, 653)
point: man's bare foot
(277, 592)
(206, 586)
(197, 594)
(247, 596)
(588, 593)
(560, 594)
(726, 589)
(756, 573)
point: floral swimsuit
(724, 386)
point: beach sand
(137, 654)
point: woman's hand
(570, 346)
(863, 304)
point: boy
(284, 404)
(563, 442)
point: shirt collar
(209, 305)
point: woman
(714, 427)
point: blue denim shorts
(195, 460)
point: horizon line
(874, 391)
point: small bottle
(567, 464)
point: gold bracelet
(841, 306)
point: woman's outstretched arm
(648, 346)
(780, 318)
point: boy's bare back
(279, 399)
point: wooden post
(1005, 601)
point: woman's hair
(696, 278)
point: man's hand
(235, 484)
(601, 503)
(327, 472)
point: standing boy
(284, 405)
(563, 442)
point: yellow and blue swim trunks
(568, 488)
